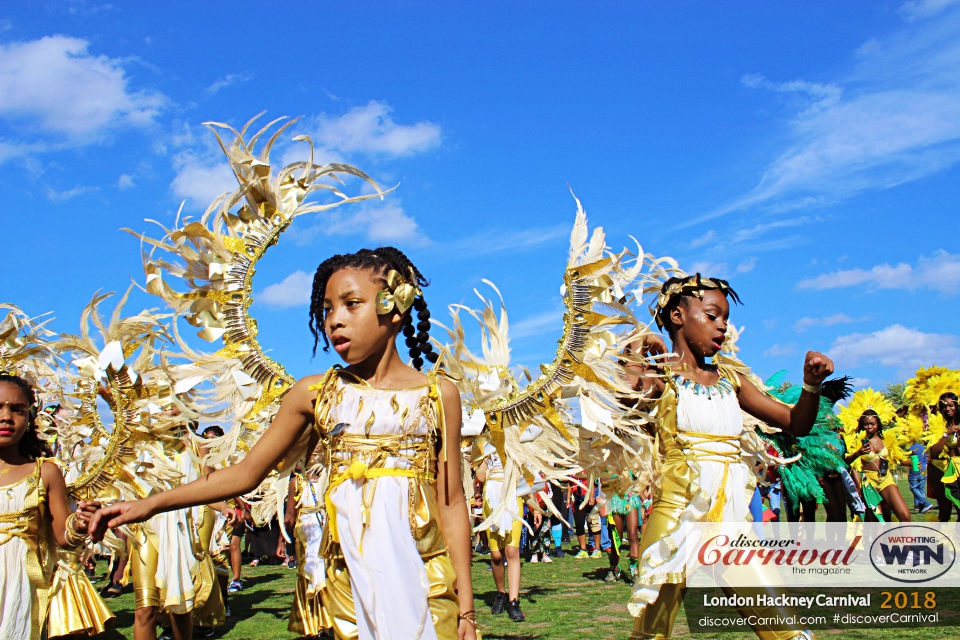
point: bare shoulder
(303, 393)
(51, 474)
(449, 391)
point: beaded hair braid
(379, 261)
(31, 445)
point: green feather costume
(822, 449)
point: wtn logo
(918, 553)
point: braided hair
(31, 445)
(379, 261)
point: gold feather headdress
(216, 257)
(532, 428)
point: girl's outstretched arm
(293, 418)
(52, 479)
(454, 517)
(798, 419)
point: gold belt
(21, 523)
(695, 442)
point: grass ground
(565, 599)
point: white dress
(16, 594)
(709, 425)
(387, 574)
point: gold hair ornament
(399, 294)
(694, 285)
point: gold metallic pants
(657, 619)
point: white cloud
(709, 269)
(704, 239)
(62, 196)
(894, 118)
(292, 291)
(226, 81)
(501, 240)
(380, 222)
(747, 265)
(826, 321)
(941, 272)
(549, 321)
(371, 130)
(60, 88)
(125, 182)
(896, 346)
(199, 181)
(859, 383)
(916, 9)
(778, 350)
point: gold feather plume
(216, 259)
(532, 428)
(121, 365)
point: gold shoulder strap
(326, 398)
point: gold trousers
(657, 618)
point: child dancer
(34, 517)
(701, 432)
(504, 539)
(397, 537)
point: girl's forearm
(455, 522)
(214, 487)
(804, 413)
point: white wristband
(811, 388)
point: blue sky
(806, 151)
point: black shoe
(613, 575)
(558, 553)
(499, 603)
(204, 632)
(513, 610)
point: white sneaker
(547, 558)
(533, 559)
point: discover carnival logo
(912, 553)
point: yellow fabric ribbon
(726, 457)
(360, 471)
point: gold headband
(398, 295)
(694, 285)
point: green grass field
(565, 599)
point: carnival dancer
(503, 536)
(34, 519)
(944, 445)
(308, 616)
(817, 477)
(874, 451)
(624, 523)
(397, 535)
(702, 437)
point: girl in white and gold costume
(35, 523)
(703, 474)
(396, 540)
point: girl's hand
(119, 513)
(466, 631)
(537, 519)
(232, 516)
(816, 368)
(85, 511)
(865, 449)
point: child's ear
(676, 316)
